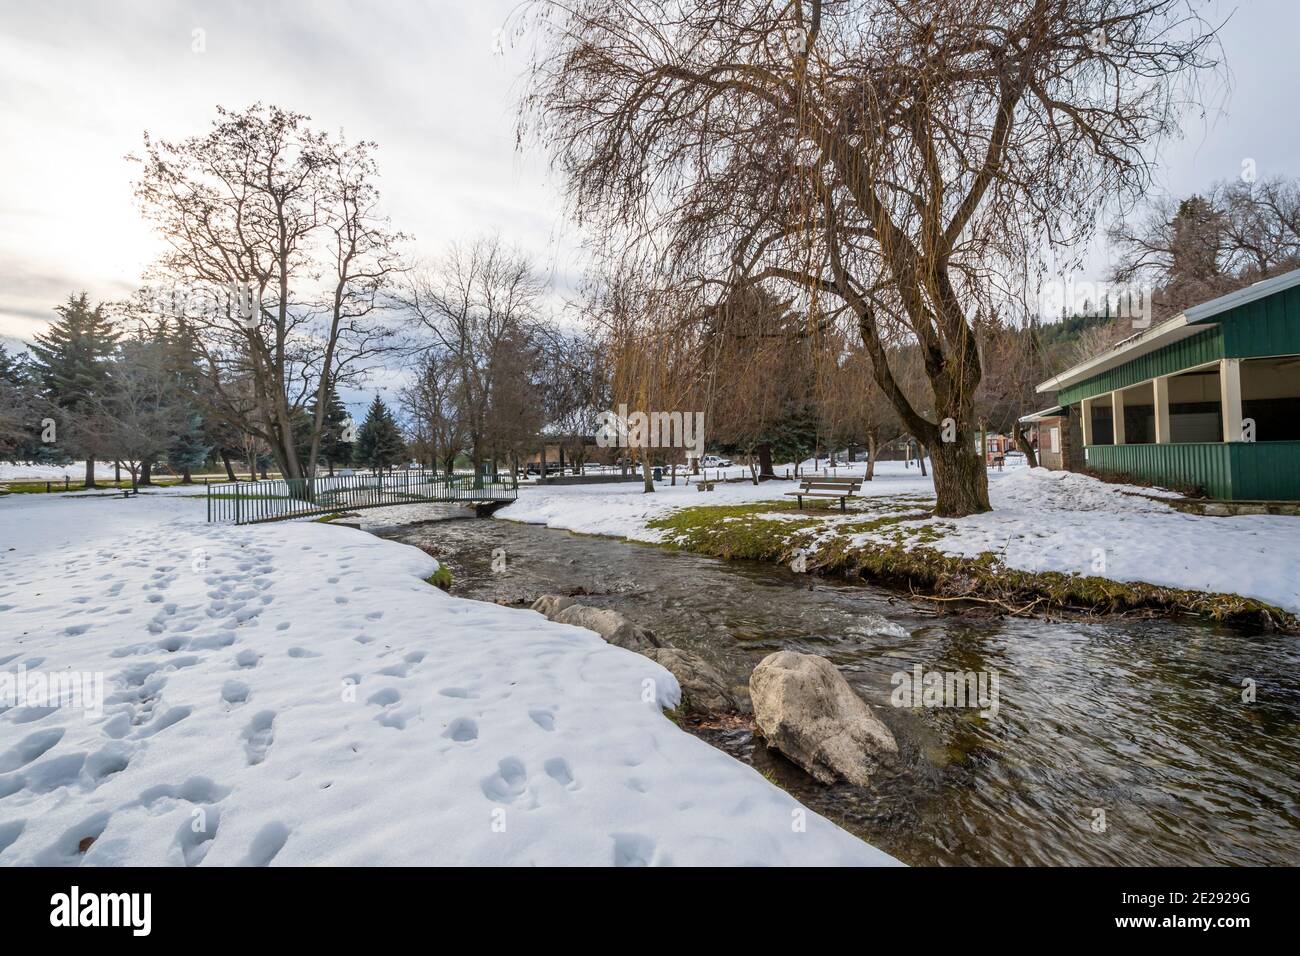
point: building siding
(1265, 471)
(1240, 471)
(1184, 354)
(1190, 466)
(1263, 328)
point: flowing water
(1120, 741)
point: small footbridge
(251, 502)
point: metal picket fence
(249, 502)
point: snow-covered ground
(624, 510)
(22, 471)
(297, 694)
(1041, 521)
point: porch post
(1230, 398)
(1085, 420)
(1117, 415)
(1161, 388)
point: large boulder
(552, 604)
(704, 689)
(612, 626)
(805, 708)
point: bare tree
(1205, 246)
(477, 301)
(277, 258)
(886, 158)
(431, 407)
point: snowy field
(297, 694)
(18, 471)
(1041, 521)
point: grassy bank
(902, 556)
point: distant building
(1209, 400)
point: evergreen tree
(189, 448)
(193, 443)
(334, 431)
(379, 440)
(20, 411)
(72, 362)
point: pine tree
(20, 411)
(379, 442)
(192, 445)
(334, 431)
(189, 448)
(72, 361)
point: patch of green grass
(58, 487)
(440, 578)
(901, 555)
(734, 531)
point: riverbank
(1054, 541)
(1094, 712)
(298, 694)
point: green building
(1209, 400)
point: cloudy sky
(433, 82)
(81, 81)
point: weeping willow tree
(891, 162)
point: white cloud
(80, 82)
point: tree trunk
(871, 458)
(186, 478)
(1024, 445)
(645, 473)
(960, 479)
(765, 462)
(90, 472)
(920, 458)
(146, 473)
(230, 471)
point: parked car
(535, 468)
(713, 461)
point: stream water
(1120, 741)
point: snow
(24, 471)
(1041, 521)
(1060, 521)
(623, 510)
(296, 693)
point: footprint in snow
(270, 840)
(557, 768)
(509, 782)
(633, 849)
(258, 737)
(235, 692)
(462, 730)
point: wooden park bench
(821, 487)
